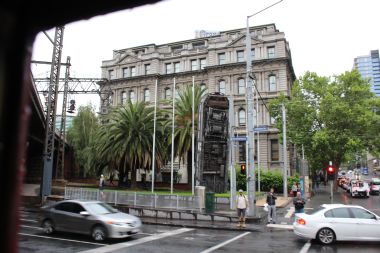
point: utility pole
(285, 152)
(48, 154)
(232, 154)
(59, 169)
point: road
(158, 238)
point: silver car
(94, 218)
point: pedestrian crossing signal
(242, 169)
(331, 172)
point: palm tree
(126, 140)
(183, 119)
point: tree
(331, 117)
(126, 141)
(183, 122)
(81, 136)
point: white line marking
(123, 245)
(29, 220)
(25, 226)
(145, 234)
(224, 243)
(305, 247)
(280, 226)
(290, 212)
(61, 239)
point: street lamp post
(250, 142)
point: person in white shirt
(241, 206)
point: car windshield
(100, 208)
(316, 210)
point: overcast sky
(324, 35)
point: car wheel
(48, 227)
(98, 233)
(326, 236)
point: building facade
(217, 62)
(369, 67)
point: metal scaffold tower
(48, 155)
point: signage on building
(205, 33)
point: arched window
(241, 117)
(272, 83)
(132, 96)
(222, 87)
(110, 98)
(168, 93)
(146, 95)
(241, 86)
(123, 97)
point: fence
(135, 199)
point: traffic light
(331, 172)
(72, 106)
(242, 169)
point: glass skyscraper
(369, 67)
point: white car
(339, 222)
(359, 188)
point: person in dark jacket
(271, 201)
(299, 203)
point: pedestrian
(101, 184)
(111, 179)
(294, 189)
(299, 203)
(241, 206)
(271, 201)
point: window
(203, 86)
(203, 63)
(242, 117)
(147, 69)
(272, 120)
(125, 72)
(177, 67)
(111, 74)
(123, 97)
(70, 207)
(132, 96)
(133, 71)
(242, 151)
(177, 93)
(168, 68)
(240, 56)
(194, 64)
(272, 83)
(362, 214)
(146, 95)
(110, 98)
(274, 150)
(341, 213)
(252, 53)
(241, 86)
(271, 52)
(168, 93)
(222, 87)
(221, 58)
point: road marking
(25, 226)
(283, 226)
(305, 247)
(123, 245)
(225, 243)
(29, 220)
(145, 234)
(61, 239)
(290, 212)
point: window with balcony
(147, 69)
(242, 117)
(272, 83)
(240, 56)
(123, 97)
(132, 96)
(111, 74)
(271, 52)
(146, 95)
(133, 71)
(221, 58)
(203, 63)
(194, 64)
(274, 150)
(125, 72)
(222, 87)
(177, 67)
(168, 68)
(241, 86)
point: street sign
(242, 138)
(260, 129)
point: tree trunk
(189, 168)
(133, 178)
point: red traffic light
(330, 169)
(242, 169)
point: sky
(324, 35)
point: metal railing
(135, 199)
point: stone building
(217, 62)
